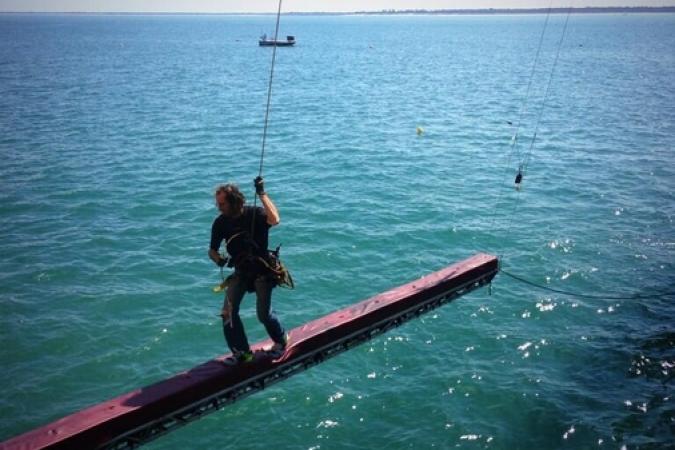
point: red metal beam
(143, 414)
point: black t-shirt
(236, 232)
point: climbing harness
(272, 264)
(281, 275)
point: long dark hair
(233, 196)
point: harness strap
(234, 236)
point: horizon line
(421, 11)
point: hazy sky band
(267, 6)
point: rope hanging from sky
(267, 110)
(524, 162)
(526, 159)
(523, 107)
(269, 91)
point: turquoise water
(115, 129)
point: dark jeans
(233, 329)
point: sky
(262, 6)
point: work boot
(279, 347)
(238, 358)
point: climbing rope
(267, 112)
(269, 91)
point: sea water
(114, 130)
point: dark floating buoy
(519, 178)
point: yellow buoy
(420, 130)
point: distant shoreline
(489, 11)
(388, 12)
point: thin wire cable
(548, 89)
(582, 295)
(523, 108)
(524, 164)
(528, 155)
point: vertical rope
(526, 159)
(529, 83)
(523, 108)
(267, 114)
(269, 91)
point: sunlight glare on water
(115, 129)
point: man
(245, 230)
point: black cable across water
(583, 295)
